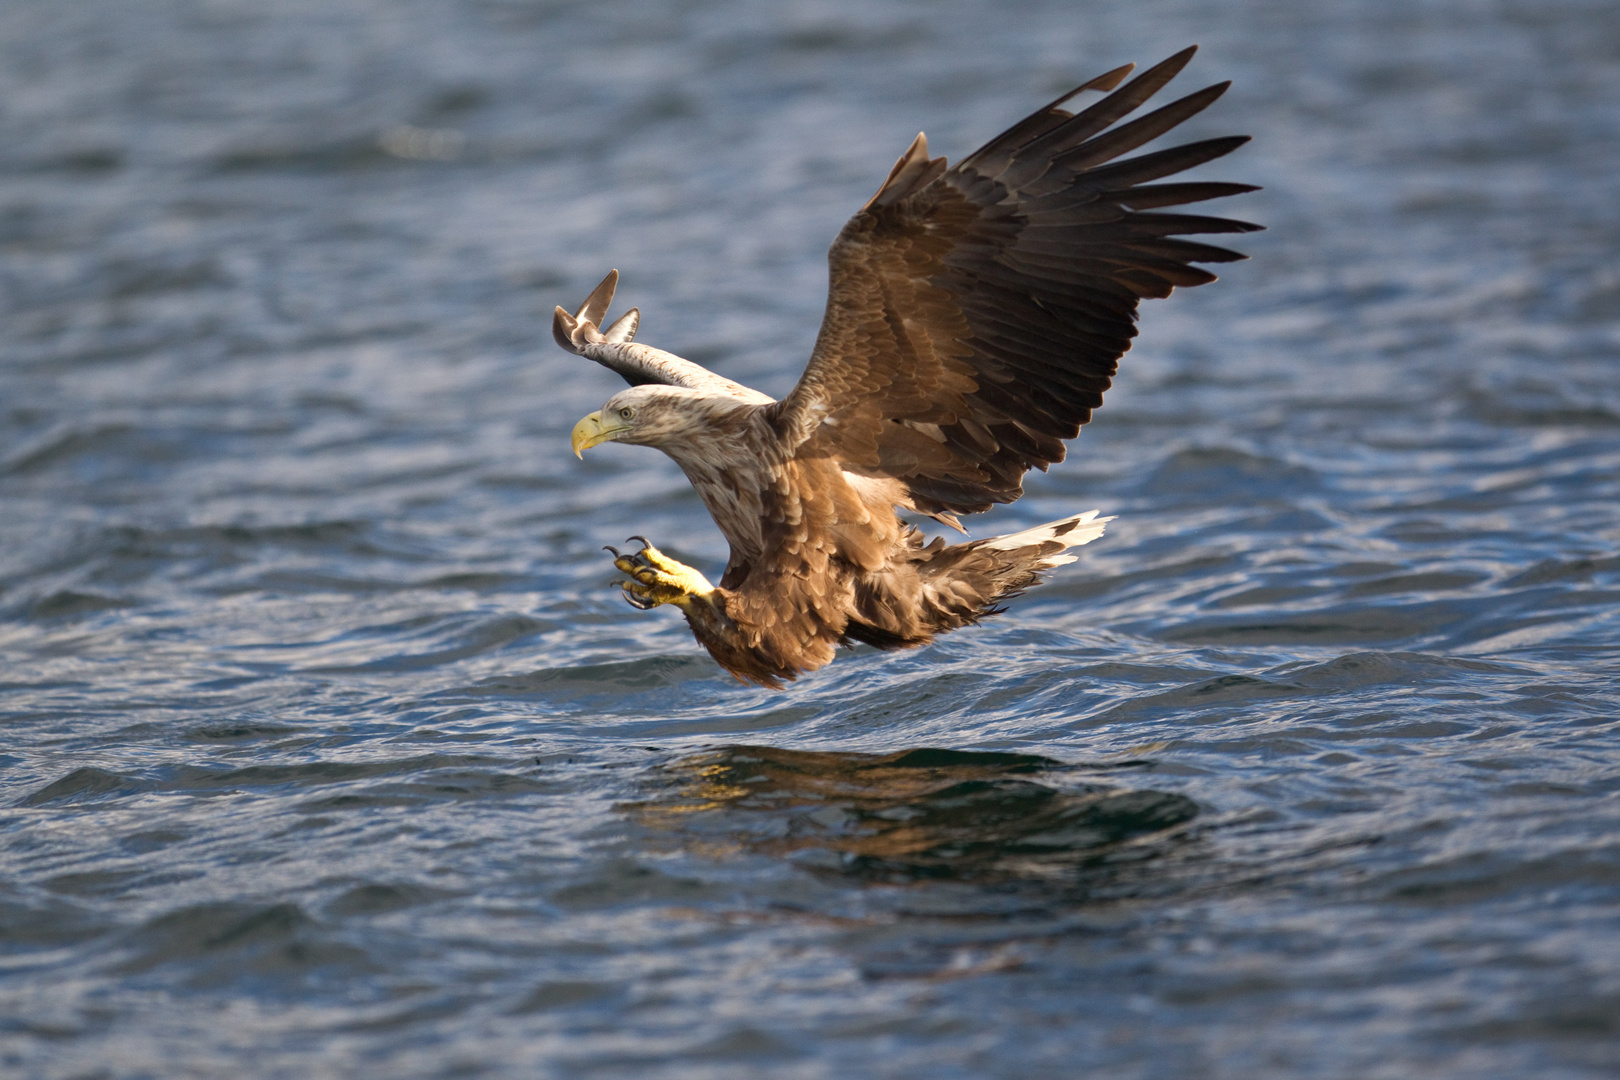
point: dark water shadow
(914, 815)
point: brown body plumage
(976, 315)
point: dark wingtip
(1104, 82)
(596, 304)
(1171, 66)
(562, 328)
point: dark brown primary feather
(977, 314)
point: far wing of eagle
(616, 348)
(976, 314)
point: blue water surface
(329, 750)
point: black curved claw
(610, 547)
(645, 543)
(640, 603)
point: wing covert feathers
(977, 313)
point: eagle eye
(627, 412)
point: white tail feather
(1070, 532)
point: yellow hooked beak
(593, 431)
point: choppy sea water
(329, 751)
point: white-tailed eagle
(975, 316)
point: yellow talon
(659, 579)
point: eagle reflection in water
(923, 814)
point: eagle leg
(658, 579)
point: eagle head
(649, 415)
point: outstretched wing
(616, 348)
(976, 314)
